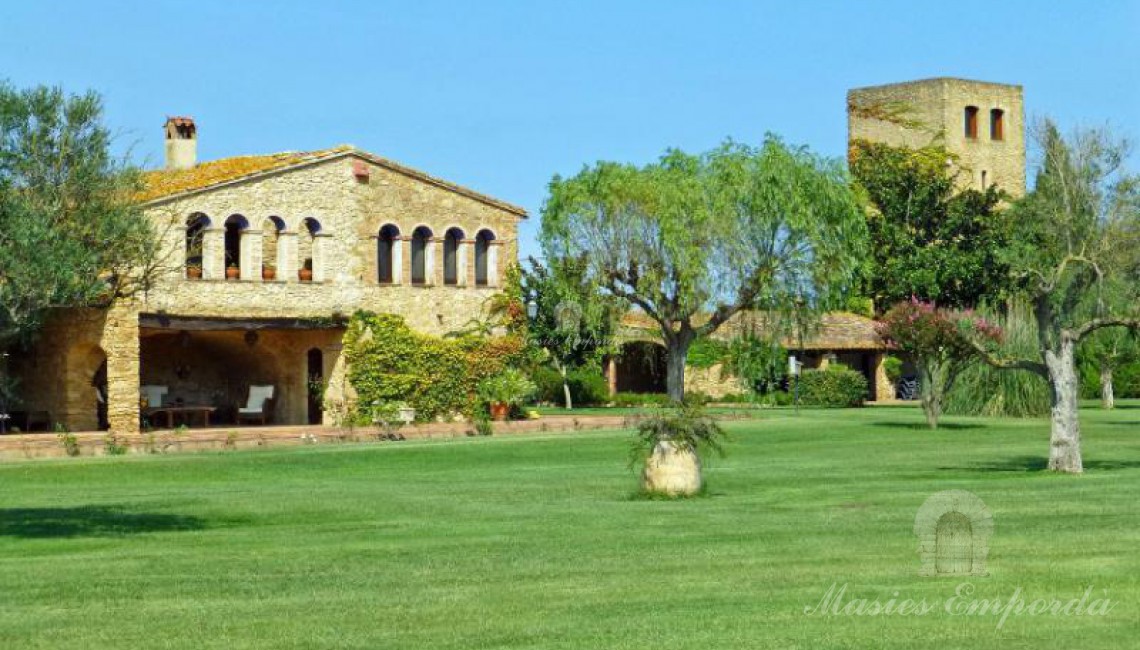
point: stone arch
(485, 258)
(196, 226)
(85, 387)
(642, 367)
(236, 228)
(388, 257)
(953, 529)
(454, 260)
(422, 258)
(271, 229)
(308, 250)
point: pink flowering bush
(941, 342)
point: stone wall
(939, 104)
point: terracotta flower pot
(305, 275)
(268, 273)
(499, 411)
(194, 272)
(233, 273)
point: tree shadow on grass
(1041, 464)
(922, 426)
(90, 521)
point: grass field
(539, 542)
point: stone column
(461, 263)
(468, 248)
(406, 261)
(251, 255)
(213, 254)
(493, 258)
(436, 259)
(429, 261)
(287, 256)
(121, 344)
(398, 260)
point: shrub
(836, 387)
(548, 385)
(706, 353)
(632, 400)
(893, 366)
(68, 440)
(587, 386)
(687, 427)
(510, 386)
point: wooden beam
(210, 324)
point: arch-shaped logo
(953, 530)
(568, 316)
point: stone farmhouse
(265, 256)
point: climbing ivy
(390, 362)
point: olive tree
(1076, 257)
(692, 240)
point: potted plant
(305, 273)
(233, 272)
(508, 388)
(669, 445)
(268, 271)
(194, 271)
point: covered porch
(200, 372)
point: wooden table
(171, 411)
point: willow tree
(1076, 254)
(692, 240)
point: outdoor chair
(257, 407)
(154, 394)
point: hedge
(834, 388)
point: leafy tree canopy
(927, 239)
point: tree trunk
(1065, 439)
(931, 396)
(675, 377)
(1107, 397)
(565, 387)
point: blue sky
(500, 96)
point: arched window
(386, 253)
(971, 120)
(451, 262)
(997, 124)
(483, 254)
(421, 237)
(308, 252)
(271, 230)
(196, 226)
(236, 226)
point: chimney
(181, 142)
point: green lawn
(520, 542)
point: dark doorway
(642, 368)
(99, 382)
(316, 385)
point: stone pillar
(468, 248)
(251, 255)
(824, 361)
(436, 256)
(398, 260)
(461, 263)
(121, 344)
(493, 259)
(214, 254)
(322, 247)
(338, 391)
(429, 261)
(406, 261)
(287, 264)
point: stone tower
(181, 143)
(982, 123)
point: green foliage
(548, 385)
(70, 232)
(1113, 350)
(113, 445)
(835, 387)
(893, 366)
(588, 386)
(982, 389)
(68, 439)
(759, 364)
(687, 427)
(928, 240)
(389, 362)
(774, 228)
(635, 400)
(706, 353)
(509, 386)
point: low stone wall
(46, 445)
